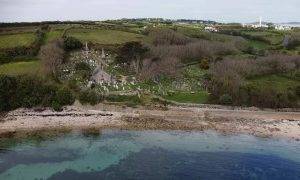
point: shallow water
(116, 154)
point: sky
(219, 10)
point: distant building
(282, 28)
(211, 29)
(256, 25)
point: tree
(71, 43)
(132, 53)
(52, 56)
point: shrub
(89, 97)
(27, 92)
(291, 41)
(71, 43)
(228, 77)
(7, 93)
(73, 85)
(82, 66)
(297, 91)
(64, 97)
(123, 98)
(84, 70)
(204, 64)
(225, 99)
(56, 106)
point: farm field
(20, 68)
(102, 36)
(16, 40)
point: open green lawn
(102, 36)
(280, 82)
(188, 97)
(15, 40)
(20, 68)
(53, 34)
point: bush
(123, 98)
(7, 93)
(204, 64)
(82, 66)
(270, 97)
(291, 41)
(27, 92)
(225, 99)
(228, 76)
(56, 106)
(130, 101)
(71, 43)
(89, 97)
(64, 97)
(84, 70)
(297, 91)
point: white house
(211, 29)
(283, 28)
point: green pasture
(16, 40)
(53, 34)
(21, 68)
(281, 82)
(102, 36)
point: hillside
(154, 63)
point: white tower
(260, 21)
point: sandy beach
(267, 123)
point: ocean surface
(121, 154)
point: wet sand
(225, 120)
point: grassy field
(102, 36)
(280, 82)
(53, 34)
(198, 32)
(18, 30)
(272, 37)
(258, 44)
(187, 97)
(15, 40)
(20, 68)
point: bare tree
(164, 36)
(52, 56)
(154, 68)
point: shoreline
(261, 123)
